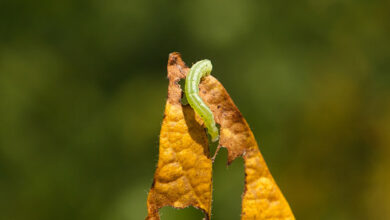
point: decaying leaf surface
(262, 197)
(184, 169)
(183, 175)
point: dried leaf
(262, 198)
(183, 175)
(184, 169)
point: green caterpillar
(198, 70)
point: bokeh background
(83, 86)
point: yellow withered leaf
(184, 169)
(183, 175)
(262, 198)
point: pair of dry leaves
(184, 172)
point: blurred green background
(83, 86)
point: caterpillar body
(198, 70)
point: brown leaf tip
(177, 69)
(173, 57)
